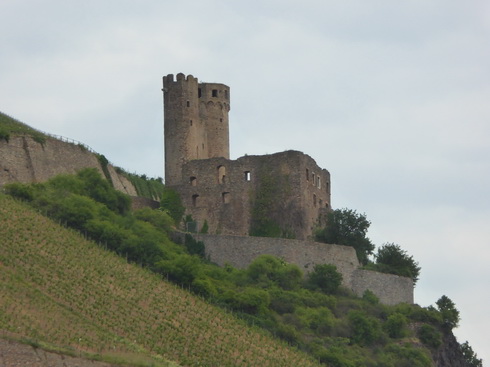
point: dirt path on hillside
(13, 354)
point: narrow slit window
(190, 121)
(248, 177)
(226, 197)
(314, 200)
(307, 174)
(195, 200)
(226, 94)
(199, 93)
(221, 174)
(188, 104)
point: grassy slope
(57, 288)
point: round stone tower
(214, 105)
(195, 123)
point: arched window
(221, 174)
(193, 181)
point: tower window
(221, 174)
(314, 199)
(195, 200)
(307, 174)
(188, 104)
(193, 181)
(190, 121)
(199, 93)
(247, 176)
(226, 94)
(220, 120)
(319, 183)
(226, 197)
(214, 93)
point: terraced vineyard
(57, 288)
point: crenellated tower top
(196, 124)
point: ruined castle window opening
(190, 121)
(225, 196)
(195, 200)
(188, 103)
(221, 174)
(193, 181)
(313, 178)
(220, 120)
(199, 93)
(319, 183)
(327, 185)
(248, 177)
(314, 200)
(226, 94)
(214, 93)
(307, 174)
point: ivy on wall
(267, 201)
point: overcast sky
(391, 97)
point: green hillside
(59, 289)
(10, 126)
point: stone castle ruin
(234, 196)
(287, 193)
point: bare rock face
(449, 354)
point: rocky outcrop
(449, 354)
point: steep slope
(57, 288)
(27, 155)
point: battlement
(180, 78)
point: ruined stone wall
(223, 192)
(390, 289)
(24, 160)
(240, 251)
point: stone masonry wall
(240, 251)
(390, 289)
(24, 160)
(222, 192)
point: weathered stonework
(222, 192)
(22, 159)
(240, 251)
(287, 189)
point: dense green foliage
(390, 258)
(470, 356)
(172, 203)
(449, 313)
(348, 228)
(324, 277)
(311, 312)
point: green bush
(324, 277)
(267, 271)
(396, 326)
(430, 336)
(366, 330)
(172, 203)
